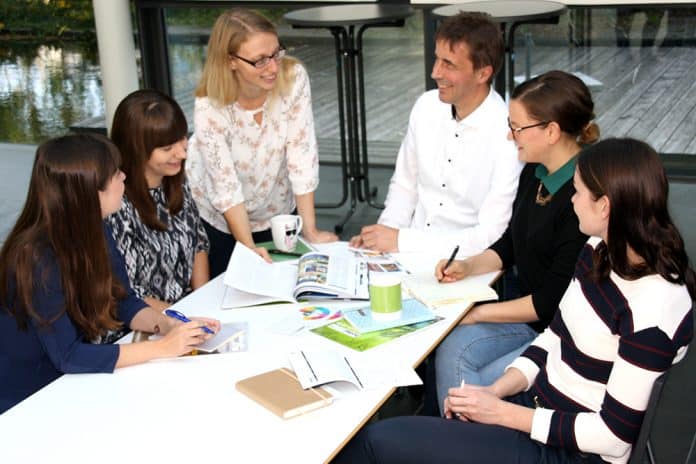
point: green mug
(385, 295)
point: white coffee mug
(285, 229)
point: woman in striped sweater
(578, 393)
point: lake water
(46, 88)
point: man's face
(453, 71)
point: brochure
(316, 276)
(412, 312)
(344, 333)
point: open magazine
(316, 276)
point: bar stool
(342, 21)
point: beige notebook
(280, 392)
(426, 289)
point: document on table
(319, 367)
(251, 274)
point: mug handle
(299, 225)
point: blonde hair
(231, 29)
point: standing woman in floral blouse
(253, 154)
(158, 229)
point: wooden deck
(647, 93)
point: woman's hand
(474, 403)
(182, 339)
(262, 252)
(455, 271)
(212, 324)
(319, 236)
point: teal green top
(553, 182)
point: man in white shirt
(456, 173)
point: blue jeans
(478, 354)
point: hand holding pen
(180, 316)
(183, 338)
(442, 266)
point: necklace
(540, 199)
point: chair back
(642, 444)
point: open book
(426, 289)
(319, 367)
(316, 276)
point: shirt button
(449, 160)
(443, 185)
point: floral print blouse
(232, 159)
(160, 263)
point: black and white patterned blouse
(160, 263)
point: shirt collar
(480, 117)
(554, 182)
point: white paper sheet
(315, 367)
(249, 273)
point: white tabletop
(188, 410)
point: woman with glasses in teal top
(253, 154)
(550, 119)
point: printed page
(313, 269)
(234, 298)
(314, 368)
(318, 367)
(249, 273)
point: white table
(188, 410)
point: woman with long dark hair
(158, 229)
(63, 287)
(579, 392)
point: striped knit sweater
(592, 370)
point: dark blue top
(32, 358)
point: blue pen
(177, 315)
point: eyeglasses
(516, 130)
(265, 60)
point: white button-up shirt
(454, 181)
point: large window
(640, 64)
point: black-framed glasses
(516, 130)
(264, 60)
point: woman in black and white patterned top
(158, 229)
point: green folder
(300, 248)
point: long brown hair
(143, 121)
(563, 98)
(630, 173)
(231, 29)
(62, 219)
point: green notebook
(300, 249)
(344, 333)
